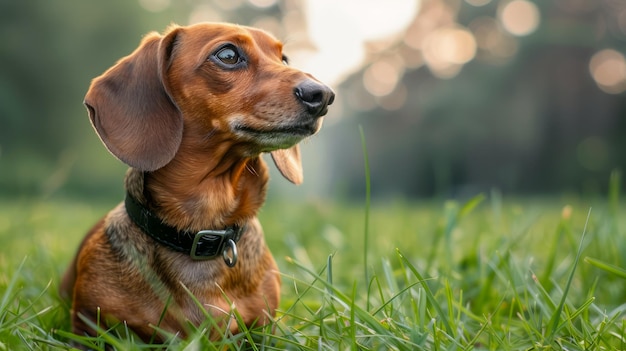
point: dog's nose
(314, 96)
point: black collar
(203, 245)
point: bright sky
(339, 30)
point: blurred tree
(525, 114)
(51, 51)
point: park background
(454, 97)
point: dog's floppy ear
(288, 163)
(131, 109)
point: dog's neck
(198, 191)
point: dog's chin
(279, 137)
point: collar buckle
(209, 244)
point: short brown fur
(192, 128)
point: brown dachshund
(190, 112)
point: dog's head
(210, 80)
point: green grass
(483, 274)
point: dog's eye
(228, 55)
(285, 60)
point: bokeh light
(382, 76)
(608, 69)
(446, 50)
(492, 40)
(520, 17)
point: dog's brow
(242, 39)
(268, 44)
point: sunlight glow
(339, 36)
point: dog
(191, 111)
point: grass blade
(429, 294)
(367, 205)
(618, 271)
(555, 320)
(10, 289)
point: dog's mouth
(278, 137)
(295, 130)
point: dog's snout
(314, 96)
